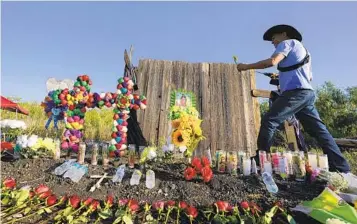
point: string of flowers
(41, 202)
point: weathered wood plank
(290, 136)
(256, 106)
(205, 102)
(165, 100)
(261, 93)
(247, 112)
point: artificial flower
(178, 139)
(190, 173)
(244, 205)
(207, 174)
(51, 200)
(222, 206)
(9, 183)
(74, 201)
(191, 212)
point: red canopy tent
(7, 104)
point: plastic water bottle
(64, 167)
(135, 178)
(254, 167)
(150, 179)
(118, 177)
(269, 183)
(76, 172)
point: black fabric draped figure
(134, 134)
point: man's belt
(296, 66)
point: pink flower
(158, 205)
(41, 189)
(122, 202)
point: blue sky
(64, 39)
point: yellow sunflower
(178, 138)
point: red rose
(182, 205)
(94, 205)
(207, 174)
(170, 203)
(244, 205)
(45, 195)
(74, 201)
(222, 206)
(190, 173)
(51, 200)
(158, 205)
(254, 208)
(191, 212)
(88, 201)
(133, 206)
(9, 183)
(198, 168)
(196, 163)
(205, 161)
(123, 202)
(110, 200)
(41, 189)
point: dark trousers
(301, 103)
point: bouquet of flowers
(35, 146)
(186, 128)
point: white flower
(115, 123)
(182, 149)
(335, 221)
(113, 142)
(12, 124)
(171, 147)
(32, 140)
(151, 154)
(22, 141)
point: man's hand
(242, 67)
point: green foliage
(338, 109)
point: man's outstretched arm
(267, 63)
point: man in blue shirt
(297, 95)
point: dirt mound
(170, 185)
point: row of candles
(287, 162)
(132, 155)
